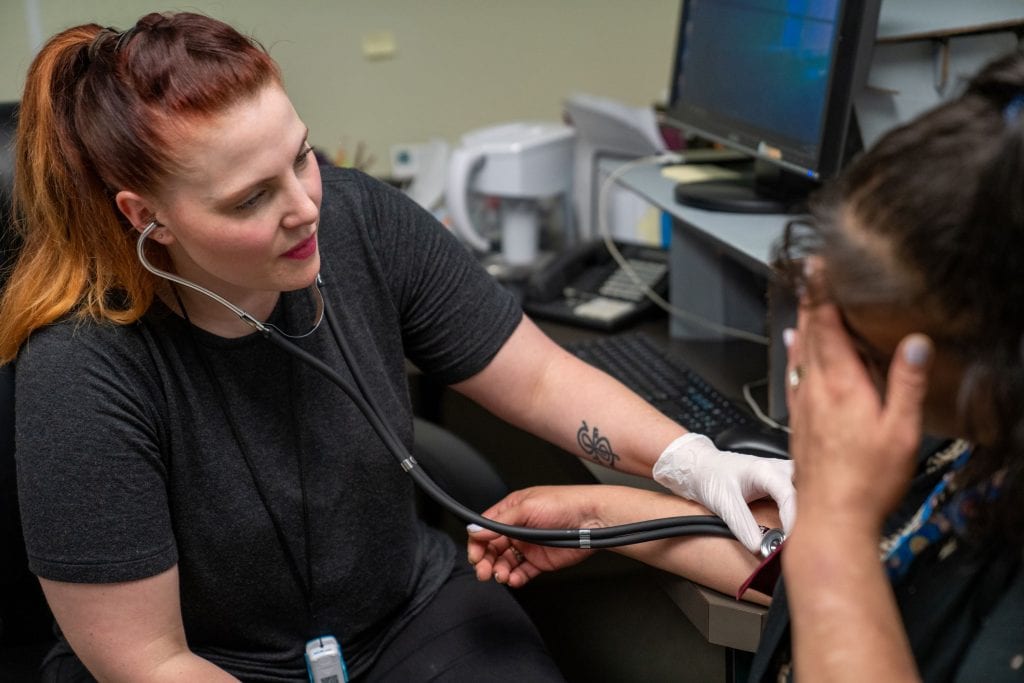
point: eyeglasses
(801, 238)
(871, 355)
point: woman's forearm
(846, 625)
(718, 563)
(537, 386)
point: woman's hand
(854, 453)
(720, 563)
(726, 483)
(516, 562)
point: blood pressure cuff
(766, 576)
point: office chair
(25, 620)
(460, 470)
(26, 625)
(8, 240)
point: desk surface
(727, 364)
(750, 236)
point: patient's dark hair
(944, 194)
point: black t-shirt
(129, 464)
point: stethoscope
(603, 537)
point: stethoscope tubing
(600, 537)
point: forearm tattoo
(598, 447)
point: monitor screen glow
(773, 78)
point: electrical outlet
(404, 161)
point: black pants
(470, 631)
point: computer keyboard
(666, 383)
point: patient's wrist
(818, 536)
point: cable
(605, 233)
(752, 403)
(623, 263)
(603, 537)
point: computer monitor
(776, 80)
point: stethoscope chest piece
(771, 540)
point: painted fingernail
(788, 335)
(917, 350)
(474, 528)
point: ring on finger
(516, 554)
(796, 373)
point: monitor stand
(760, 188)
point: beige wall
(458, 64)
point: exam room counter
(611, 618)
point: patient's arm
(719, 563)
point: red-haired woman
(197, 503)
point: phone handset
(586, 287)
(551, 281)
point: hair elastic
(100, 39)
(125, 38)
(120, 38)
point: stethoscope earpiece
(264, 328)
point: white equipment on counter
(518, 164)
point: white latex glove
(724, 482)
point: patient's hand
(553, 507)
(720, 563)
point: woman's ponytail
(98, 114)
(57, 194)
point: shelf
(909, 20)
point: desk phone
(586, 287)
